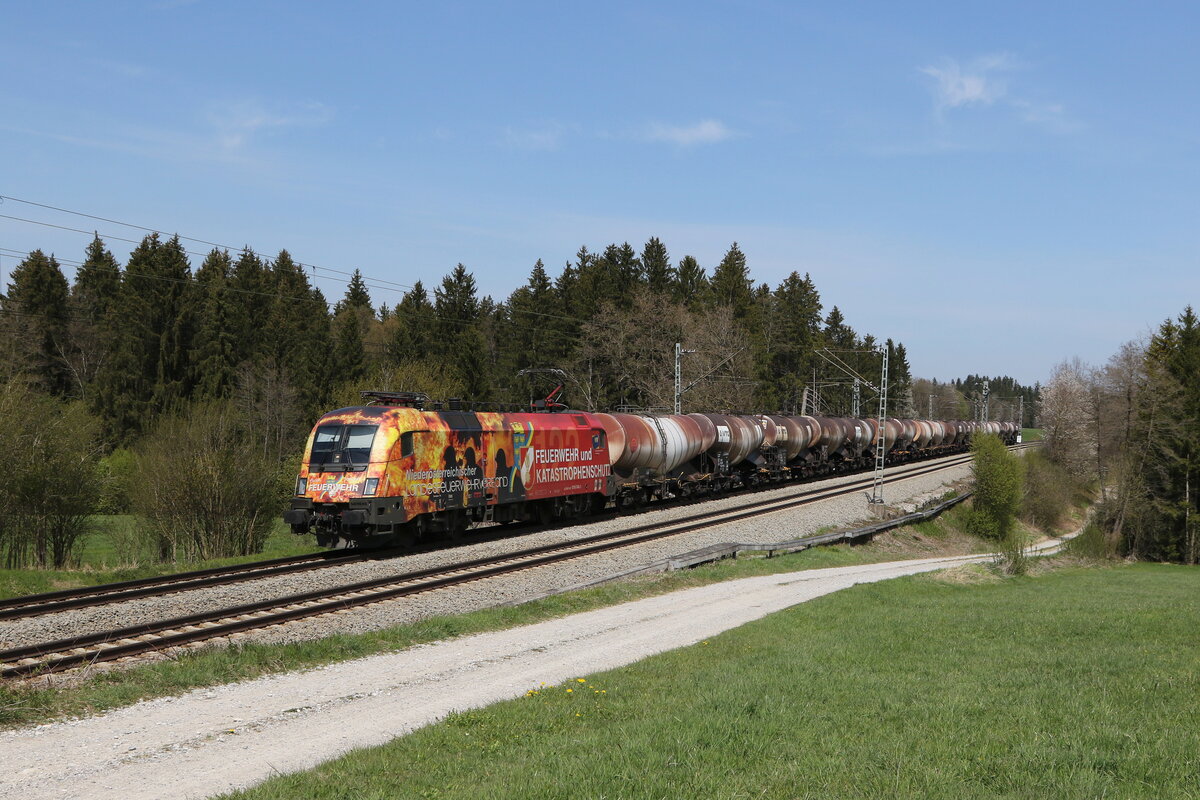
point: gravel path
(215, 740)
(532, 583)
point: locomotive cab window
(406, 444)
(341, 448)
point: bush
(203, 489)
(999, 476)
(51, 488)
(116, 474)
(1091, 543)
(287, 472)
(998, 482)
(1049, 492)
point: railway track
(104, 594)
(151, 637)
(108, 593)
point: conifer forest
(124, 353)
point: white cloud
(236, 124)
(974, 84)
(707, 131)
(1051, 116)
(981, 82)
(545, 138)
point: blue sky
(999, 186)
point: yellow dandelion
(570, 690)
(603, 691)
(580, 680)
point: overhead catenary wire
(369, 281)
(163, 232)
(281, 296)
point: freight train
(391, 471)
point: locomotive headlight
(370, 485)
(301, 485)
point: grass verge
(103, 560)
(50, 697)
(1078, 683)
(1032, 435)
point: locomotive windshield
(341, 448)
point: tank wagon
(392, 471)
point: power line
(162, 232)
(370, 282)
(564, 335)
(188, 281)
(193, 253)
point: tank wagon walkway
(218, 739)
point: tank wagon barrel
(392, 472)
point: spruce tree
(413, 331)
(172, 383)
(251, 293)
(349, 354)
(352, 320)
(731, 284)
(656, 263)
(458, 342)
(1162, 518)
(148, 372)
(900, 390)
(796, 331)
(692, 287)
(625, 268)
(357, 295)
(566, 292)
(595, 283)
(297, 336)
(94, 299)
(314, 360)
(456, 301)
(97, 284)
(535, 336)
(35, 322)
(837, 333)
(216, 347)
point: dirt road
(218, 739)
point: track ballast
(156, 636)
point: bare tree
(628, 357)
(1068, 412)
(269, 403)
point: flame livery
(395, 472)
(378, 469)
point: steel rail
(151, 637)
(34, 605)
(103, 594)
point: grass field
(1077, 683)
(106, 557)
(1031, 434)
(216, 665)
